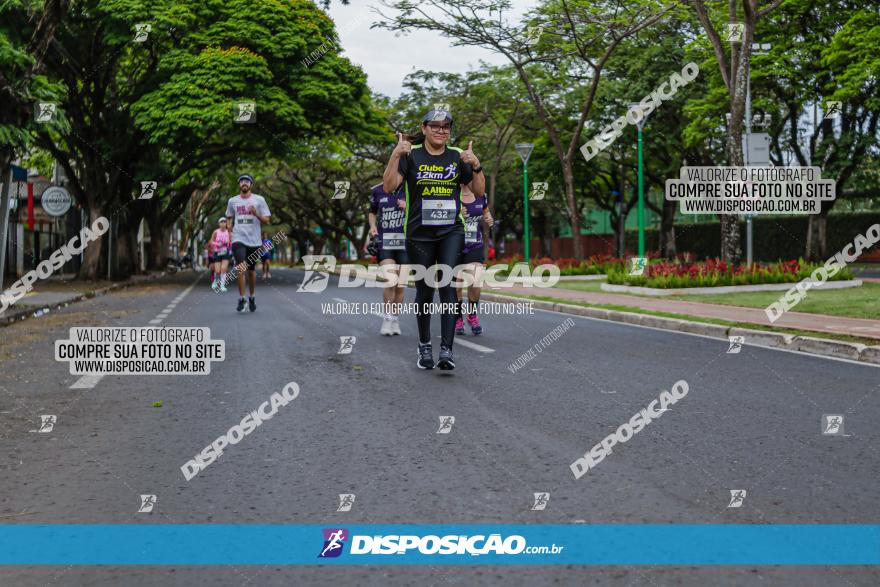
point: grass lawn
(591, 286)
(825, 335)
(854, 302)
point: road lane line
(89, 381)
(86, 382)
(459, 340)
(472, 345)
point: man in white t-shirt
(248, 212)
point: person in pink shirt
(219, 245)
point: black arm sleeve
(403, 165)
(467, 172)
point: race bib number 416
(393, 241)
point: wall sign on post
(55, 201)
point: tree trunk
(91, 265)
(334, 246)
(621, 230)
(302, 248)
(126, 265)
(493, 178)
(731, 248)
(318, 244)
(667, 229)
(547, 232)
(158, 242)
(574, 212)
(817, 237)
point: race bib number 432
(437, 212)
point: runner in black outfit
(432, 174)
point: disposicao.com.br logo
(334, 540)
(319, 267)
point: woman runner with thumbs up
(432, 174)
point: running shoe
(446, 361)
(252, 304)
(474, 322)
(426, 356)
(223, 288)
(459, 326)
(241, 304)
(215, 286)
(395, 326)
(386, 329)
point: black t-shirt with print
(432, 187)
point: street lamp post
(525, 150)
(641, 205)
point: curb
(722, 289)
(595, 277)
(24, 314)
(806, 344)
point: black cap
(246, 176)
(435, 115)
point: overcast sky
(388, 59)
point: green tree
(162, 109)
(559, 57)
(819, 54)
(717, 17)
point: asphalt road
(366, 423)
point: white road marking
(472, 345)
(86, 382)
(458, 340)
(89, 381)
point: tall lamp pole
(525, 150)
(641, 206)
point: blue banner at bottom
(470, 544)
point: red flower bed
(714, 267)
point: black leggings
(445, 251)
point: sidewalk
(793, 320)
(57, 292)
